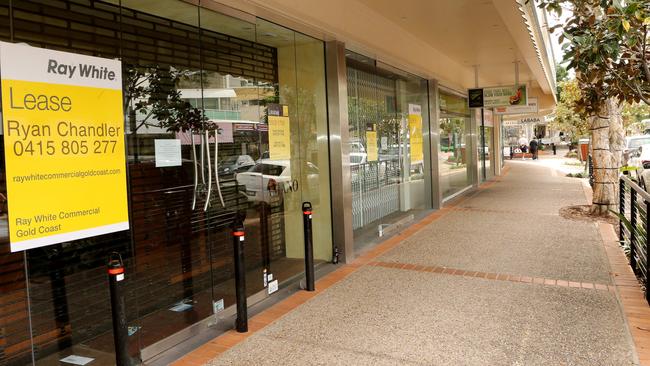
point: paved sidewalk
(498, 279)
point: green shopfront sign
(500, 96)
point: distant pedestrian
(523, 146)
(534, 145)
(554, 148)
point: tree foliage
(568, 116)
(153, 93)
(561, 74)
(607, 46)
(633, 116)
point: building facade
(377, 133)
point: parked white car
(640, 159)
(358, 154)
(270, 178)
(632, 143)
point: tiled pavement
(539, 290)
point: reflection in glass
(488, 152)
(454, 143)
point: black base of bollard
(309, 247)
(241, 324)
(118, 310)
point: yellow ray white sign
(64, 146)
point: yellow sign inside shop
(371, 142)
(415, 133)
(279, 132)
(64, 146)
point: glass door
(388, 155)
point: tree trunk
(607, 142)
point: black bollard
(118, 309)
(309, 246)
(240, 275)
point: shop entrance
(203, 93)
(389, 158)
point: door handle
(209, 165)
(196, 172)
(202, 158)
(216, 166)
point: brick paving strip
(494, 276)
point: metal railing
(634, 205)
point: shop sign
(531, 120)
(532, 107)
(500, 96)
(279, 132)
(524, 121)
(415, 132)
(475, 98)
(64, 145)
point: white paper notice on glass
(273, 286)
(77, 360)
(168, 152)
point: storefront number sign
(279, 132)
(415, 132)
(64, 145)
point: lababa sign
(64, 145)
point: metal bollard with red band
(309, 246)
(241, 324)
(118, 309)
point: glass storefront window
(215, 83)
(388, 116)
(15, 342)
(453, 151)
